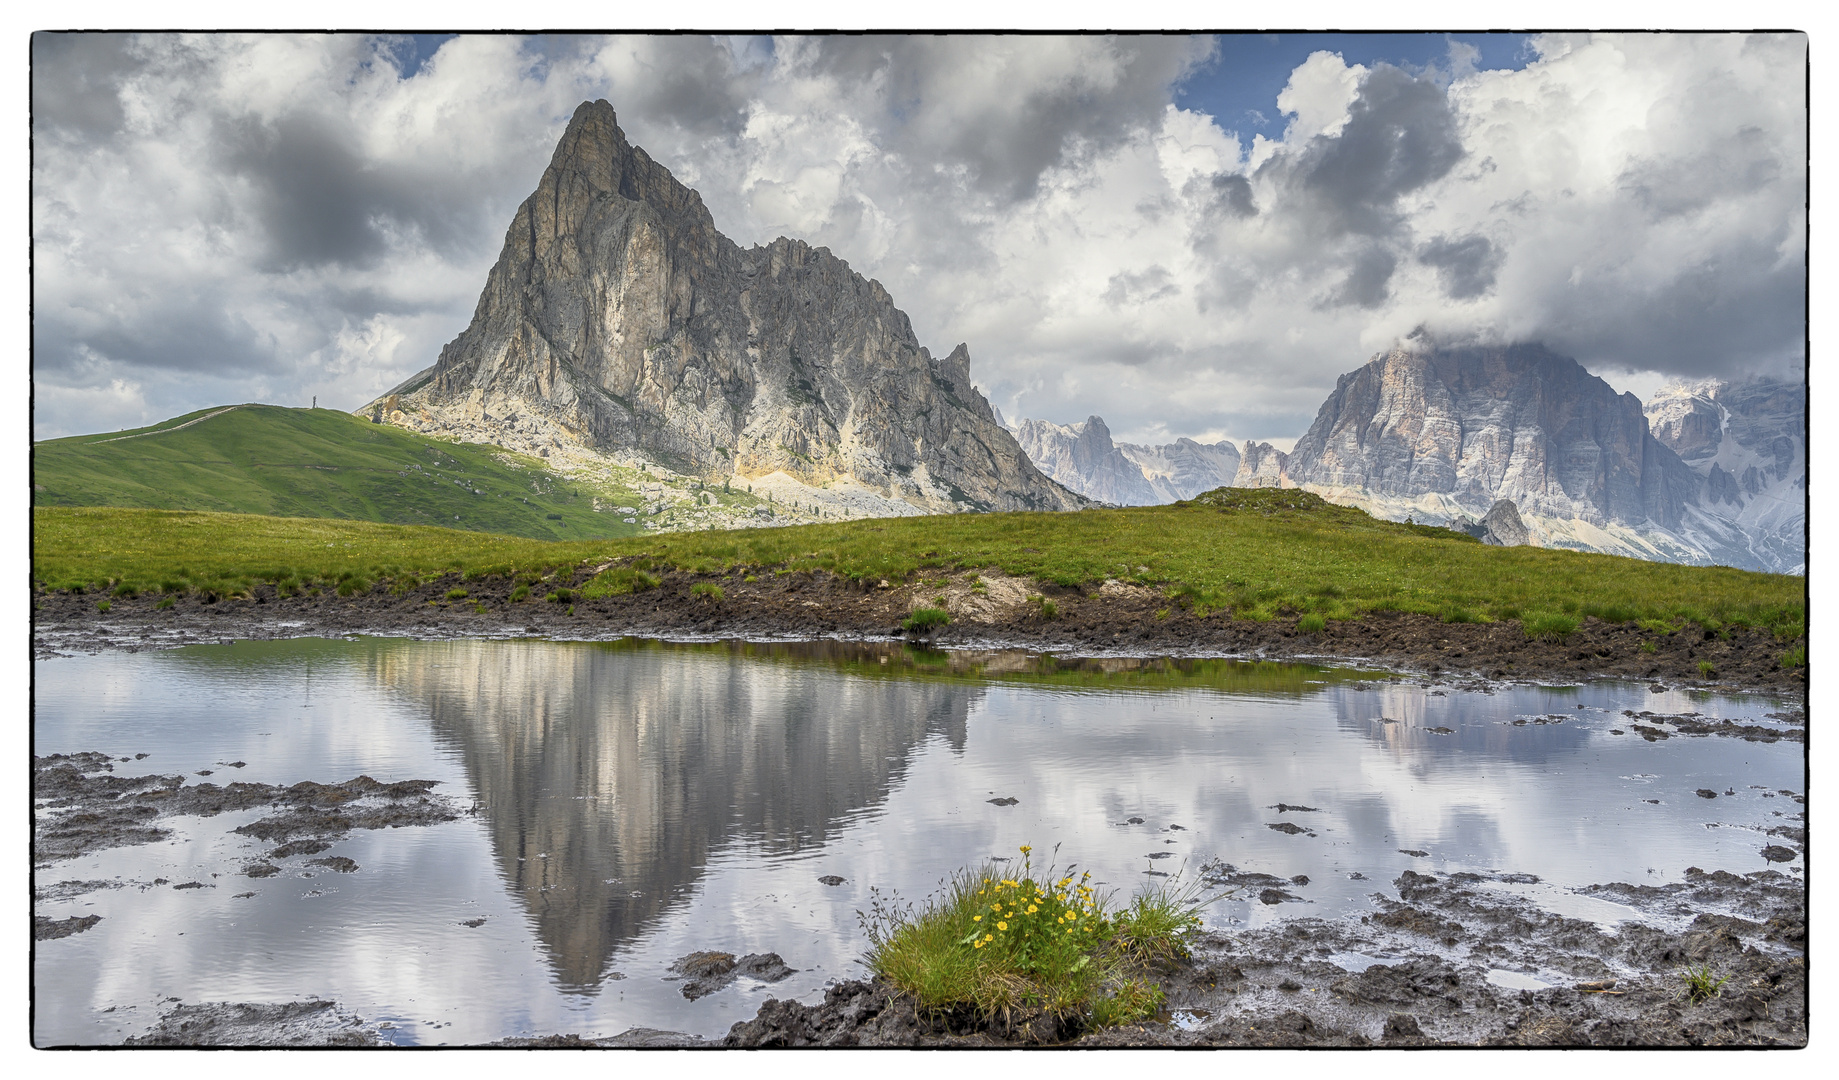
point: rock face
(617, 310)
(1082, 457)
(1262, 465)
(1184, 468)
(1445, 434)
(1748, 441)
(1502, 526)
(1470, 426)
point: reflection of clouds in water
(720, 782)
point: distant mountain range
(1712, 473)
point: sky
(1190, 236)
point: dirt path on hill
(987, 610)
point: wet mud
(1450, 961)
(988, 610)
(82, 806)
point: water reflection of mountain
(611, 773)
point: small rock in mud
(1777, 853)
(1706, 793)
(194, 885)
(242, 896)
(831, 879)
(767, 967)
(1289, 986)
(1300, 879)
(1403, 1026)
(705, 972)
(1275, 896)
(472, 924)
(1287, 828)
(1289, 808)
(44, 929)
(1002, 802)
(299, 847)
(204, 772)
(1414, 853)
(1441, 730)
(261, 870)
(336, 862)
(1133, 821)
(66, 890)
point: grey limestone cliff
(1083, 457)
(617, 309)
(1184, 468)
(1476, 424)
(1262, 465)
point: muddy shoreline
(987, 609)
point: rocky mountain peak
(617, 310)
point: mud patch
(298, 1023)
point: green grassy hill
(321, 463)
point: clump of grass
(1548, 626)
(125, 591)
(103, 607)
(708, 590)
(1048, 610)
(925, 618)
(1460, 615)
(995, 943)
(561, 596)
(478, 608)
(456, 594)
(620, 581)
(520, 594)
(1707, 669)
(1702, 983)
(1312, 623)
(163, 604)
(1795, 657)
(1649, 647)
(751, 577)
(1656, 626)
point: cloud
(287, 215)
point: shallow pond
(639, 800)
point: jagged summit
(617, 310)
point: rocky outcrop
(617, 310)
(1444, 435)
(1184, 468)
(1502, 526)
(1262, 465)
(1748, 441)
(1472, 425)
(1082, 457)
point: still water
(640, 800)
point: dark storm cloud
(76, 83)
(1465, 265)
(176, 335)
(1740, 165)
(1400, 135)
(690, 81)
(1231, 196)
(1091, 108)
(321, 201)
(1367, 280)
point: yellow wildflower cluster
(1026, 912)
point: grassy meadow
(1255, 554)
(265, 459)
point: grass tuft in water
(995, 943)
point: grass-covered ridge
(1263, 554)
(265, 459)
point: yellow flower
(979, 944)
(1031, 909)
(976, 918)
(989, 937)
(1072, 915)
(1026, 849)
(1069, 929)
(1002, 926)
